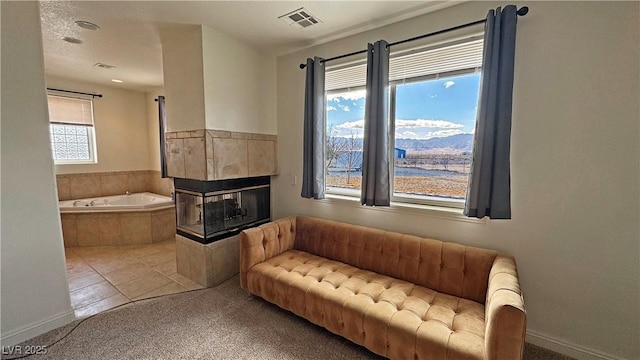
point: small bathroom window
(72, 130)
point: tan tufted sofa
(400, 296)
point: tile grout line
(138, 258)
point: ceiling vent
(300, 18)
(104, 66)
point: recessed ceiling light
(300, 18)
(72, 40)
(104, 66)
(117, 81)
(87, 25)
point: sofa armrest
(505, 314)
(264, 242)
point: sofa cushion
(363, 305)
(446, 267)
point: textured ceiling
(129, 39)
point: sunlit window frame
(405, 200)
(400, 198)
(418, 199)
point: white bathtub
(117, 203)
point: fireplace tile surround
(208, 264)
(219, 155)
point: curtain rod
(76, 92)
(521, 12)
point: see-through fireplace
(207, 211)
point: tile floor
(103, 277)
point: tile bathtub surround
(118, 228)
(87, 185)
(210, 264)
(103, 277)
(219, 155)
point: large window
(71, 127)
(434, 96)
(434, 122)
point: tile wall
(118, 228)
(219, 155)
(87, 185)
(115, 228)
(210, 264)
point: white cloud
(346, 108)
(358, 124)
(449, 84)
(444, 133)
(351, 95)
(331, 108)
(428, 135)
(406, 124)
(422, 123)
(413, 129)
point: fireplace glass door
(212, 215)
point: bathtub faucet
(127, 192)
(92, 203)
(76, 203)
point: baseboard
(38, 328)
(565, 348)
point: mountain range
(457, 143)
(454, 144)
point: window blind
(432, 60)
(66, 110)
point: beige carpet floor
(217, 323)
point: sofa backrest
(445, 267)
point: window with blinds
(433, 98)
(72, 130)
(451, 58)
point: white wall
(121, 127)
(239, 85)
(183, 77)
(215, 81)
(575, 170)
(35, 295)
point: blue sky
(425, 110)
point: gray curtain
(314, 122)
(162, 111)
(375, 153)
(489, 192)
